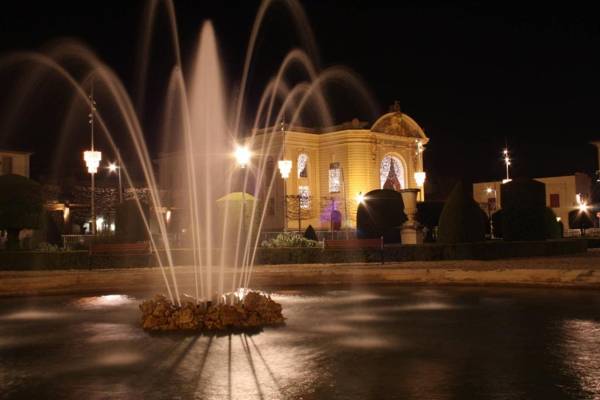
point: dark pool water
(339, 343)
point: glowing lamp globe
(92, 160)
(420, 178)
(285, 167)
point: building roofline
(27, 153)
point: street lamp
(92, 158)
(490, 191)
(285, 167)
(112, 168)
(92, 161)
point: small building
(562, 193)
(14, 162)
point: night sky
(473, 77)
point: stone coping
(582, 271)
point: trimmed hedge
(525, 214)
(382, 214)
(487, 250)
(462, 220)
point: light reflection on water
(109, 300)
(375, 342)
(582, 354)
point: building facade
(562, 193)
(332, 168)
(14, 162)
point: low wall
(490, 250)
(426, 252)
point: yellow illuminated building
(332, 166)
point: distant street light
(112, 168)
(507, 163)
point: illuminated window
(335, 177)
(304, 197)
(302, 166)
(391, 174)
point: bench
(362, 244)
(120, 248)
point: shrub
(382, 214)
(498, 223)
(129, 224)
(289, 239)
(21, 206)
(461, 220)
(553, 227)
(310, 233)
(525, 215)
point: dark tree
(310, 233)
(129, 222)
(21, 206)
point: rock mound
(254, 311)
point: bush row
(309, 255)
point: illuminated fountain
(203, 135)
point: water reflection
(109, 300)
(582, 354)
(378, 342)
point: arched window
(303, 166)
(391, 174)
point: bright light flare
(360, 198)
(242, 155)
(112, 167)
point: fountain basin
(255, 310)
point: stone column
(411, 230)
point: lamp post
(285, 167)
(92, 160)
(112, 168)
(489, 191)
